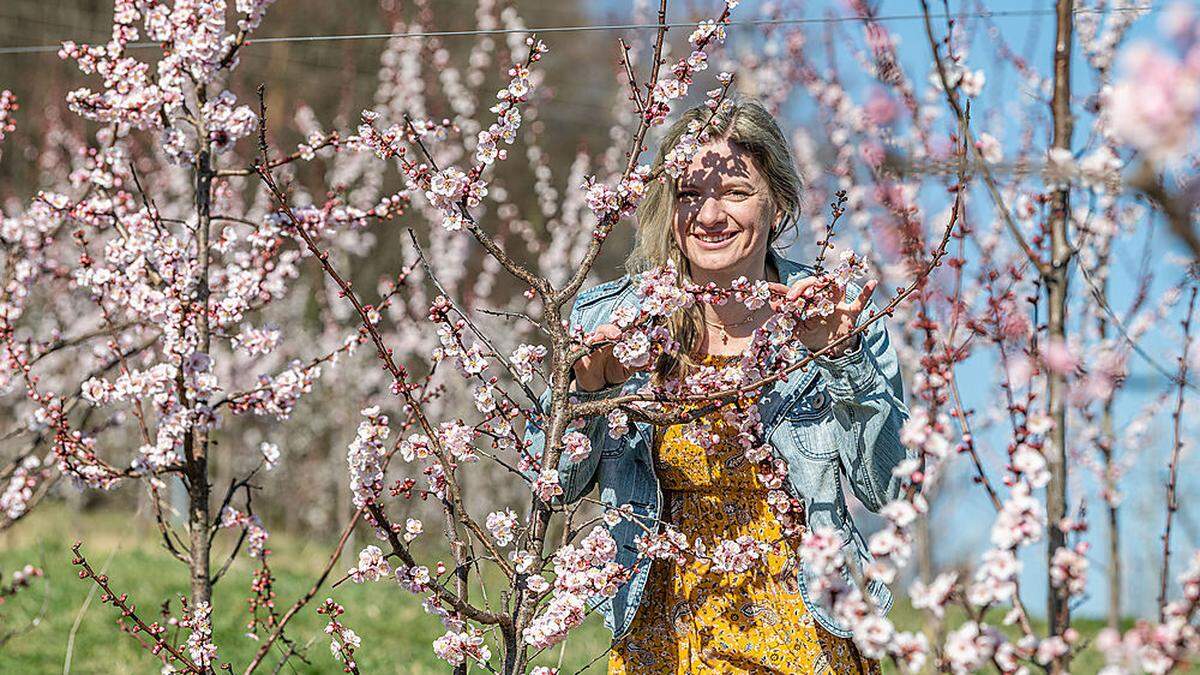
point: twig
(83, 610)
(304, 600)
(1176, 449)
(471, 324)
(154, 630)
(989, 180)
(629, 76)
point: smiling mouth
(714, 238)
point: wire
(40, 49)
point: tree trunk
(196, 443)
(1058, 611)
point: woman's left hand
(818, 331)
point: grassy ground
(73, 628)
(396, 633)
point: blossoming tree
(175, 247)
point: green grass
(396, 632)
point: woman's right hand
(600, 368)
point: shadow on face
(723, 215)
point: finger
(605, 331)
(800, 286)
(865, 296)
(777, 288)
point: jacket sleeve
(575, 478)
(868, 412)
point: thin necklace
(724, 328)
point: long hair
(746, 124)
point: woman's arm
(575, 478)
(868, 412)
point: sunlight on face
(723, 215)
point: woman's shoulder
(598, 301)
(790, 271)
(601, 292)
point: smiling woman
(736, 196)
(741, 600)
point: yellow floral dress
(694, 619)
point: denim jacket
(842, 416)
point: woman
(717, 223)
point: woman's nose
(710, 211)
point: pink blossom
(270, 455)
(458, 439)
(372, 566)
(737, 556)
(21, 484)
(912, 650)
(256, 341)
(1030, 463)
(989, 147)
(873, 635)
(995, 580)
(413, 528)
(456, 648)
(8, 105)
(1068, 569)
(199, 643)
(1059, 357)
(970, 647)
(1021, 520)
(880, 108)
(501, 524)
(546, 486)
(618, 423)
(934, 596)
(525, 358)
(576, 446)
(365, 457)
(873, 154)
(1155, 104)
(668, 544)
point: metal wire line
(41, 49)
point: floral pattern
(694, 619)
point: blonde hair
(746, 124)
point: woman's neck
(729, 328)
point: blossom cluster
(502, 524)
(365, 457)
(372, 566)
(342, 640)
(668, 89)
(25, 478)
(584, 571)
(156, 96)
(451, 190)
(456, 648)
(199, 643)
(608, 203)
(8, 105)
(525, 358)
(1155, 105)
(256, 533)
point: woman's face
(723, 215)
